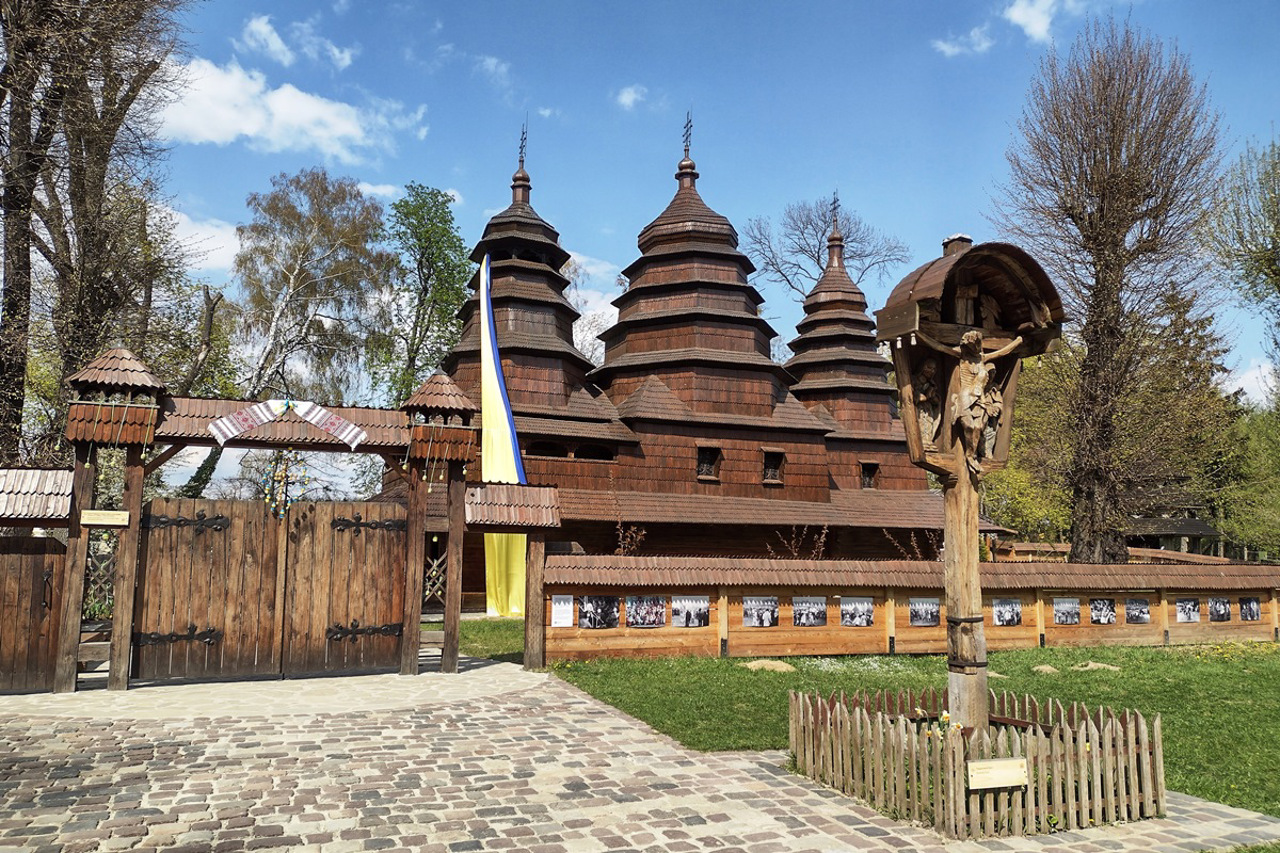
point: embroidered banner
(226, 428)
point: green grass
(1220, 704)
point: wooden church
(689, 439)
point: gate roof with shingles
(611, 570)
(116, 368)
(187, 420)
(512, 505)
(34, 494)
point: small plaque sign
(104, 518)
(997, 773)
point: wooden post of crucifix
(958, 328)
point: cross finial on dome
(835, 242)
(688, 131)
(520, 180)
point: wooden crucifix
(957, 328)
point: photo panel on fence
(857, 611)
(691, 611)
(1066, 611)
(1219, 609)
(1102, 611)
(562, 611)
(1006, 612)
(646, 611)
(1188, 609)
(808, 611)
(598, 611)
(1137, 611)
(760, 611)
(1250, 609)
(925, 612)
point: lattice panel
(433, 581)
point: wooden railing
(899, 753)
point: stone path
(492, 759)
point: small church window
(709, 463)
(547, 448)
(774, 460)
(870, 475)
(593, 451)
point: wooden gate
(29, 612)
(227, 590)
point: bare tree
(796, 254)
(79, 93)
(1110, 181)
(593, 321)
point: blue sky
(906, 108)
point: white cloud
(212, 242)
(381, 190)
(455, 195)
(497, 71)
(316, 47)
(547, 112)
(1257, 381)
(1034, 17)
(596, 271)
(340, 7)
(223, 104)
(258, 36)
(975, 41)
(632, 95)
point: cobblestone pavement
(492, 759)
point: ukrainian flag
(504, 553)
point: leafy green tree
(309, 262)
(424, 294)
(1252, 501)
(1111, 177)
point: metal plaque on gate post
(104, 518)
(997, 773)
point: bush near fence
(899, 753)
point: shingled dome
(1006, 272)
(439, 394)
(117, 369)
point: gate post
(457, 509)
(64, 676)
(124, 584)
(415, 561)
(535, 633)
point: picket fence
(896, 752)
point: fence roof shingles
(30, 494)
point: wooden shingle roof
(116, 368)
(512, 505)
(440, 394)
(611, 570)
(34, 494)
(187, 420)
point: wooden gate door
(207, 603)
(29, 612)
(344, 588)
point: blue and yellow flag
(504, 553)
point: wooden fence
(899, 753)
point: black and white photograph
(1219, 609)
(1188, 609)
(1006, 612)
(1102, 611)
(1250, 609)
(690, 611)
(809, 611)
(562, 611)
(1066, 611)
(760, 611)
(1137, 611)
(598, 611)
(925, 612)
(646, 611)
(857, 612)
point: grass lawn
(1220, 704)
